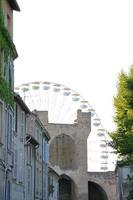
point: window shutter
(9, 129)
(47, 152)
(22, 125)
(1, 122)
(15, 162)
(29, 182)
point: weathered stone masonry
(68, 156)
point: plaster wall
(8, 15)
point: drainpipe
(5, 156)
(7, 112)
(5, 183)
(42, 171)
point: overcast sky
(80, 44)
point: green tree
(123, 102)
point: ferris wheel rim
(67, 90)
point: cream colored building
(21, 112)
(36, 159)
(7, 54)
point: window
(29, 181)
(8, 22)
(16, 118)
(131, 170)
(37, 134)
(46, 152)
(21, 167)
(15, 163)
(1, 122)
(8, 72)
(7, 68)
(9, 132)
(37, 180)
(29, 155)
(22, 128)
(125, 188)
(40, 182)
(11, 74)
(2, 63)
(11, 129)
(125, 172)
(8, 128)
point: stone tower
(68, 157)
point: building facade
(30, 155)
(123, 185)
(53, 184)
(36, 159)
(7, 55)
(21, 112)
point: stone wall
(68, 156)
(106, 180)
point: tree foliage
(123, 103)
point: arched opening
(65, 188)
(96, 192)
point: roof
(46, 133)
(14, 5)
(19, 100)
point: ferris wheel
(62, 104)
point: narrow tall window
(46, 152)
(2, 62)
(7, 71)
(9, 130)
(15, 164)
(1, 122)
(16, 118)
(22, 125)
(21, 167)
(29, 181)
(29, 155)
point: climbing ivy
(50, 190)
(7, 46)
(6, 93)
